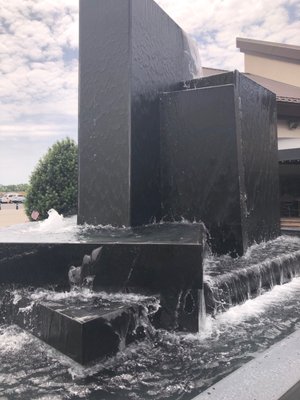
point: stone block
(148, 258)
(86, 333)
(130, 50)
(151, 268)
(84, 329)
(219, 159)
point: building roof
(287, 96)
(283, 91)
(213, 71)
(269, 49)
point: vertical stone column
(219, 159)
(130, 50)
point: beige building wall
(271, 68)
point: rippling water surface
(57, 229)
(164, 366)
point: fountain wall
(129, 52)
(219, 159)
(206, 151)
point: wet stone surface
(227, 187)
(163, 366)
(83, 325)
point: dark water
(164, 366)
(57, 229)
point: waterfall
(202, 310)
(242, 282)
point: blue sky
(39, 63)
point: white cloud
(39, 43)
(36, 78)
(38, 90)
(217, 23)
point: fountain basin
(163, 366)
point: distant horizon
(14, 184)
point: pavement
(9, 215)
(273, 375)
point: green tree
(53, 183)
(21, 187)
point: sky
(39, 63)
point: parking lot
(10, 215)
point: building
(276, 66)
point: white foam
(242, 313)
(85, 295)
(258, 305)
(54, 223)
(12, 339)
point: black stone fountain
(156, 143)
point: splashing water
(192, 55)
(59, 229)
(55, 228)
(54, 222)
(202, 311)
(232, 281)
(167, 366)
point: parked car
(7, 198)
(18, 199)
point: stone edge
(267, 377)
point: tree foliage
(53, 183)
(21, 187)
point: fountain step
(233, 283)
(84, 330)
(170, 266)
(151, 258)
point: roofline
(286, 109)
(216, 69)
(271, 49)
(287, 105)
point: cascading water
(229, 282)
(84, 275)
(163, 365)
(202, 311)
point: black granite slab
(85, 329)
(149, 258)
(130, 50)
(132, 267)
(163, 259)
(87, 333)
(219, 159)
(199, 161)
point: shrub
(53, 183)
